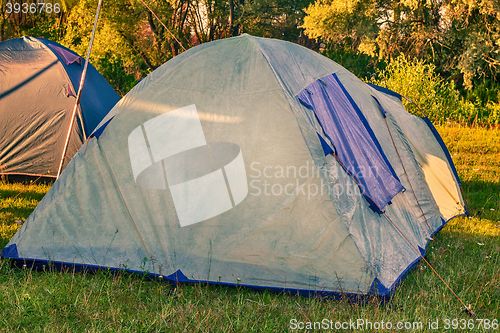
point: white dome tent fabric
(255, 162)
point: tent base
(179, 278)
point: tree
(275, 19)
(115, 54)
(460, 37)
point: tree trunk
(231, 18)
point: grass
(465, 252)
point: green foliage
(274, 19)
(46, 28)
(360, 64)
(460, 37)
(114, 70)
(112, 54)
(345, 22)
(27, 24)
(431, 96)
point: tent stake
(80, 88)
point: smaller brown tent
(39, 80)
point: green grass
(465, 252)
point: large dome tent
(39, 81)
(193, 177)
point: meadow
(466, 252)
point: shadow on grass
(482, 199)
(24, 205)
(16, 213)
(17, 202)
(24, 195)
(27, 180)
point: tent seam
(68, 79)
(122, 199)
(289, 99)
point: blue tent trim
(10, 252)
(380, 107)
(377, 288)
(386, 91)
(444, 148)
(177, 277)
(98, 132)
(326, 147)
(98, 97)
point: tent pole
(163, 24)
(80, 88)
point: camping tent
(39, 80)
(255, 162)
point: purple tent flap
(357, 148)
(67, 56)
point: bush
(113, 69)
(429, 95)
(360, 64)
